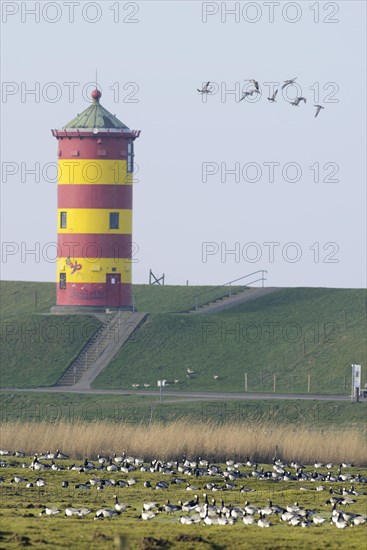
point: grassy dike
(296, 336)
(297, 339)
(36, 347)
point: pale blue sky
(168, 53)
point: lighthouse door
(113, 281)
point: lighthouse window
(62, 281)
(130, 156)
(114, 220)
(63, 220)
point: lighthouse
(94, 210)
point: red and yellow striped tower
(96, 158)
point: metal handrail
(262, 279)
(235, 281)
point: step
(113, 348)
(93, 349)
(108, 335)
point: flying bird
(318, 109)
(205, 89)
(297, 101)
(288, 82)
(254, 82)
(272, 98)
(245, 94)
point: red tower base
(96, 295)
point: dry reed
(260, 441)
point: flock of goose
(207, 89)
(200, 509)
(189, 374)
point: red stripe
(95, 245)
(92, 294)
(94, 196)
(93, 148)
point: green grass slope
(298, 335)
(36, 348)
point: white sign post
(161, 383)
(356, 382)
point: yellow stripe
(95, 220)
(93, 271)
(94, 172)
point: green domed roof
(95, 116)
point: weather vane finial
(96, 94)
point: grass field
(134, 409)
(22, 525)
(293, 333)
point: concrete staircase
(229, 295)
(101, 348)
(235, 299)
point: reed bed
(261, 442)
